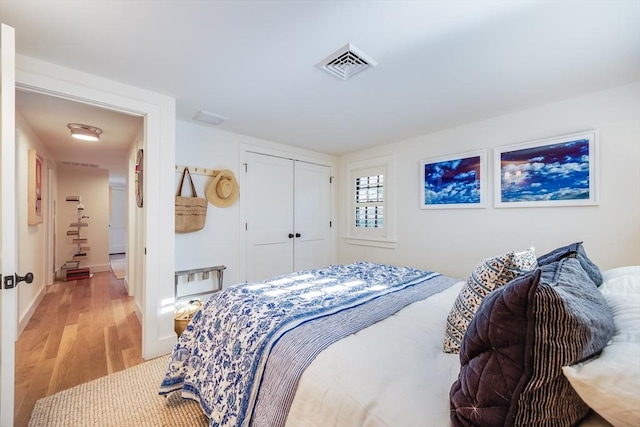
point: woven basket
(184, 315)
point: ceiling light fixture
(85, 132)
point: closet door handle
(291, 235)
(297, 234)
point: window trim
(385, 236)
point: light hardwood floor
(82, 330)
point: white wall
(31, 238)
(220, 242)
(92, 185)
(453, 241)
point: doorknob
(291, 235)
(12, 280)
(297, 234)
(26, 278)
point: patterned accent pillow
(489, 275)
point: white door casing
(8, 247)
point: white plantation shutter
(369, 200)
(370, 192)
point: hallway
(82, 330)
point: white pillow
(621, 280)
(610, 384)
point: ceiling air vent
(346, 62)
(210, 118)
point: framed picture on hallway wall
(457, 181)
(36, 170)
(557, 171)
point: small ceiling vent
(210, 118)
(346, 62)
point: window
(370, 201)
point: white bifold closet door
(288, 225)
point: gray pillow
(575, 248)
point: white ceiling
(440, 63)
(49, 116)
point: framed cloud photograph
(457, 181)
(558, 171)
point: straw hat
(223, 190)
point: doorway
(117, 220)
(156, 219)
(63, 315)
(100, 166)
(154, 259)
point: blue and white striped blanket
(244, 351)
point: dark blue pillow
(588, 266)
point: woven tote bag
(191, 212)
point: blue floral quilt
(222, 358)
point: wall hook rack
(197, 170)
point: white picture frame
(454, 181)
(556, 171)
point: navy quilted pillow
(516, 345)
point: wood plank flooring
(82, 330)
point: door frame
(9, 246)
(158, 111)
(50, 218)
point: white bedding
(411, 381)
(329, 395)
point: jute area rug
(127, 398)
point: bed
(370, 345)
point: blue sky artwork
(452, 181)
(546, 173)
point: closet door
(312, 216)
(288, 216)
(269, 228)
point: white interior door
(312, 194)
(288, 216)
(8, 252)
(118, 221)
(269, 227)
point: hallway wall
(31, 238)
(92, 185)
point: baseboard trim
(22, 323)
(138, 311)
(97, 268)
